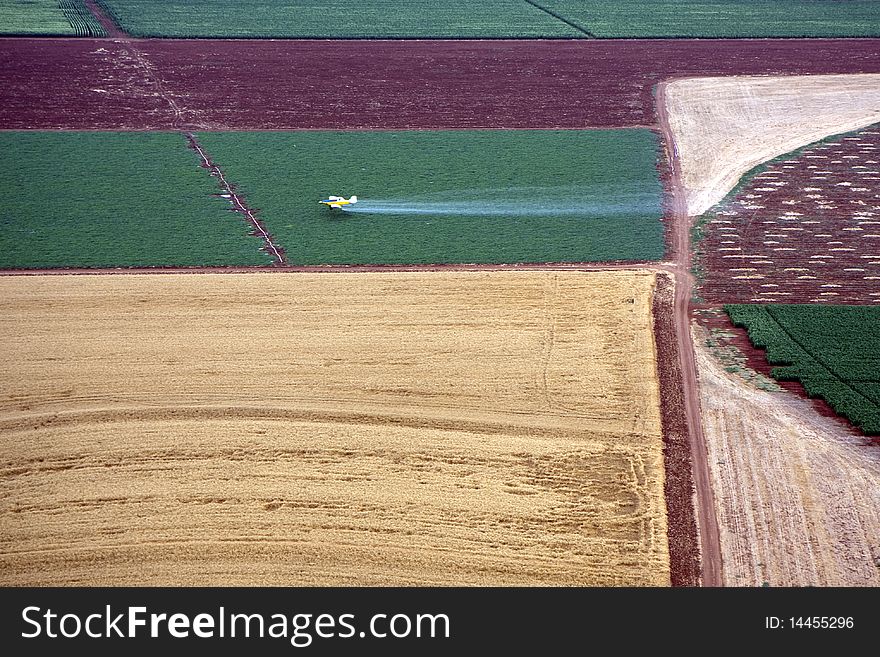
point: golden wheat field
(322, 429)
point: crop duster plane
(338, 201)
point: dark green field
(100, 199)
(47, 18)
(834, 351)
(478, 196)
(497, 18)
(337, 19)
(722, 18)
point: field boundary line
(236, 200)
(559, 17)
(678, 481)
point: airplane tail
(353, 199)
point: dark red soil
(71, 83)
(807, 229)
(51, 83)
(684, 550)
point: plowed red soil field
(806, 229)
(248, 85)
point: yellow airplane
(338, 201)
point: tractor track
(113, 30)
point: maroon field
(268, 85)
(806, 229)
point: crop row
(81, 19)
(35, 17)
(833, 351)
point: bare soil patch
(722, 127)
(797, 495)
(804, 229)
(684, 545)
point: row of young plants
(81, 19)
(47, 18)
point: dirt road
(679, 240)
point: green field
(496, 18)
(337, 18)
(723, 18)
(99, 199)
(48, 18)
(834, 351)
(478, 196)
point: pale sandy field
(408, 428)
(797, 496)
(723, 127)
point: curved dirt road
(679, 231)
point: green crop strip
(474, 196)
(568, 19)
(722, 18)
(345, 19)
(47, 18)
(107, 199)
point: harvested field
(275, 85)
(440, 428)
(797, 495)
(805, 227)
(723, 127)
(465, 196)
